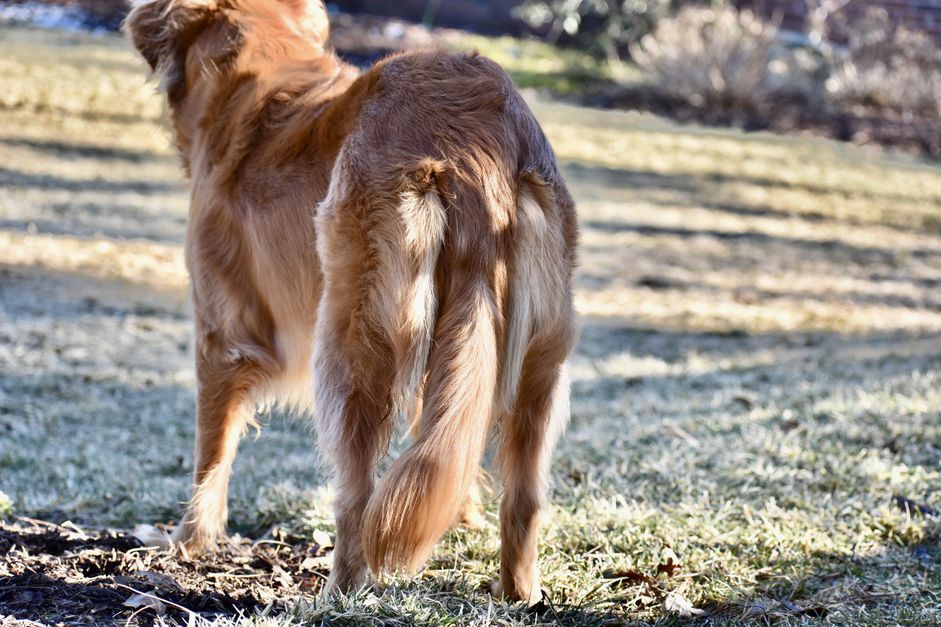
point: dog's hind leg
(353, 374)
(535, 386)
(529, 434)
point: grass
(758, 375)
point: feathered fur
(392, 242)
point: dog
(368, 245)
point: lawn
(758, 379)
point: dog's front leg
(223, 408)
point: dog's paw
(192, 543)
(496, 589)
(472, 518)
(184, 541)
(345, 580)
(472, 511)
(534, 597)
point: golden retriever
(368, 245)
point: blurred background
(756, 408)
(860, 70)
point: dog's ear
(163, 30)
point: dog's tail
(454, 349)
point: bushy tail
(422, 493)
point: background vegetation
(845, 73)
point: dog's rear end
(445, 238)
(447, 251)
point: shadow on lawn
(73, 150)
(603, 338)
(931, 301)
(14, 178)
(128, 211)
(32, 292)
(631, 180)
(745, 294)
(91, 115)
(117, 221)
(600, 183)
(831, 247)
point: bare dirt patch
(64, 574)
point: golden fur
(397, 241)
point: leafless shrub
(887, 67)
(713, 57)
(602, 27)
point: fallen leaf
(921, 554)
(146, 601)
(146, 578)
(322, 538)
(322, 562)
(542, 606)
(746, 401)
(670, 567)
(148, 535)
(676, 602)
(816, 612)
(656, 282)
(71, 526)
